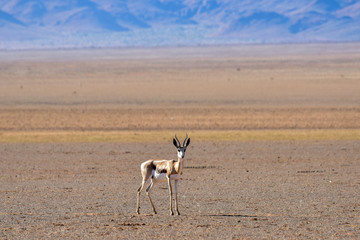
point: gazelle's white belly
(161, 177)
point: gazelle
(161, 171)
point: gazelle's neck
(179, 165)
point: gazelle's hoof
(171, 213)
(178, 213)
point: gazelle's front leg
(170, 192)
(176, 199)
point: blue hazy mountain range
(110, 23)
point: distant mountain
(112, 23)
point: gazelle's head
(181, 149)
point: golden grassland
(165, 135)
(189, 117)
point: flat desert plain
(274, 153)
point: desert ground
(274, 153)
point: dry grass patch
(192, 117)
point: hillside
(109, 23)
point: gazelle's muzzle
(181, 154)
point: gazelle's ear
(175, 143)
(188, 142)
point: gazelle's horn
(177, 141)
(185, 140)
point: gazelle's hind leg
(138, 196)
(148, 194)
(146, 172)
